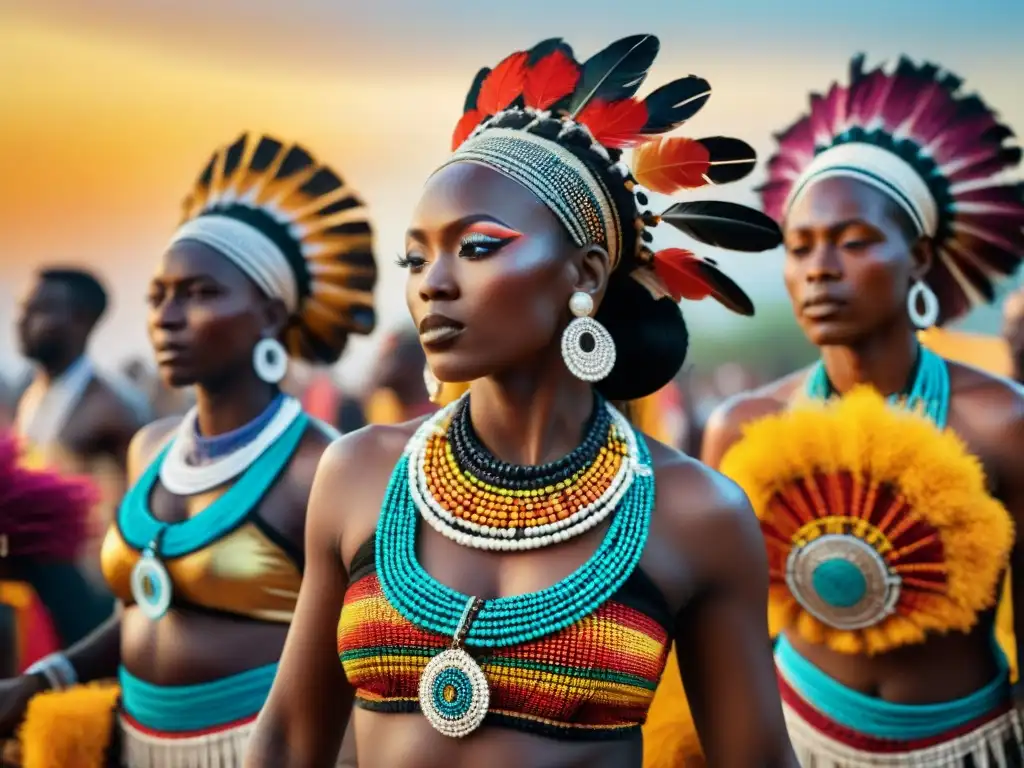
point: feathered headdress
(297, 230)
(955, 147)
(598, 96)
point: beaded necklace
(472, 498)
(928, 389)
(453, 688)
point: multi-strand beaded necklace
(465, 493)
(494, 505)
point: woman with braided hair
(273, 260)
(888, 479)
(510, 572)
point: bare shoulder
(704, 516)
(352, 479)
(147, 442)
(725, 426)
(989, 409)
(113, 405)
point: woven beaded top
(582, 631)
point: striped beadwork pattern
(592, 680)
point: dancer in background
(78, 421)
(889, 529)
(511, 571)
(207, 552)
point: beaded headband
(556, 176)
(506, 125)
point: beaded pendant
(453, 691)
(469, 497)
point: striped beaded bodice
(593, 679)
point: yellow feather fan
(316, 220)
(878, 526)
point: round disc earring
(270, 360)
(587, 348)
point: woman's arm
(722, 639)
(304, 719)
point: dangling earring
(922, 305)
(587, 347)
(270, 360)
(432, 384)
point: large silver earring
(270, 360)
(432, 384)
(587, 347)
(922, 305)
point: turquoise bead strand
(513, 620)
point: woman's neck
(885, 361)
(531, 417)
(231, 404)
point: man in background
(72, 419)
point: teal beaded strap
(141, 530)
(509, 621)
(928, 392)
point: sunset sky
(110, 107)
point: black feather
(474, 89)
(725, 225)
(675, 103)
(731, 159)
(545, 47)
(616, 72)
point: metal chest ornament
(152, 589)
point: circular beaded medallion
(843, 581)
(151, 586)
(454, 694)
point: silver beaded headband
(556, 176)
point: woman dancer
(889, 529)
(207, 550)
(526, 618)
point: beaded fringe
(222, 749)
(998, 743)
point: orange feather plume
(551, 79)
(615, 124)
(687, 276)
(465, 126)
(503, 85)
(669, 165)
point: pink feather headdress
(955, 144)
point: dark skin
(205, 317)
(705, 555)
(53, 331)
(1013, 331)
(844, 240)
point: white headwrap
(883, 170)
(248, 249)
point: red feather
(668, 165)
(616, 124)
(676, 267)
(465, 126)
(504, 85)
(551, 79)
(688, 277)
